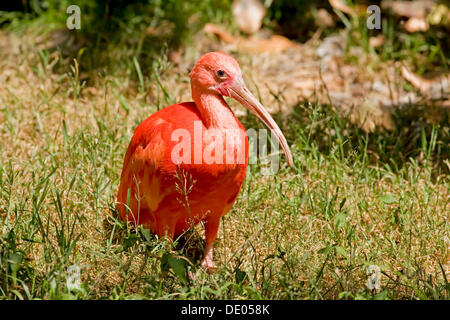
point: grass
(354, 199)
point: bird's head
(218, 73)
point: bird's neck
(215, 111)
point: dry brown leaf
(377, 41)
(248, 15)
(340, 5)
(435, 87)
(219, 32)
(275, 43)
(416, 24)
(417, 9)
(324, 19)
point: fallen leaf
(219, 32)
(340, 5)
(324, 19)
(275, 43)
(416, 24)
(377, 41)
(418, 9)
(435, 88)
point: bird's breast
(226, 147)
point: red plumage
(169, 197)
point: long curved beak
(238, 91)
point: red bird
(186, 163)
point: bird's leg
(211, 228)
(207, 262)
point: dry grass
(307, 233)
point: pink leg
(207, 262)
(211, 228)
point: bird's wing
(141, 188)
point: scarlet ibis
(167, 188)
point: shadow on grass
(190, 244)
(114, 32)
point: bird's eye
(221, 74)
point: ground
(363, 194)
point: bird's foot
(208, 265)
